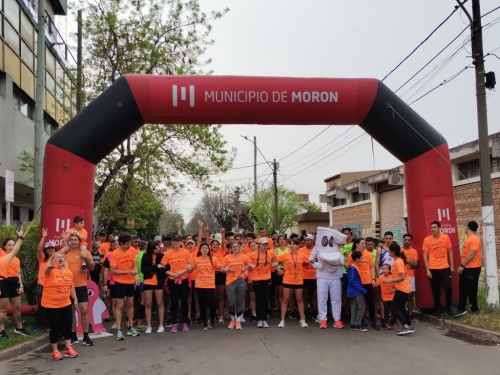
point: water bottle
(84, 267)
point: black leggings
(441, 276)
(179, 291)
(369, 301)
(59, 323)
(206, 297)
(399, 311)
(262, 291)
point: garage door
(391, 213)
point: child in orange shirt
(80, 231)
(387, 294)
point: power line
(305, 144)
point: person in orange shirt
(235, 265)
(411, 263)
(101, 239)
(387, 295)
(79, 262)
(206, 265)
(108, 281)
(262, 262)
(123, 267)
(403, 289)
(79, 223)
(218, 250)
(438, 260)
(181, 264)
(252, 247)
(293, 280)
(193, 247)
(5, 259)
(310, 284)
(11, 287)
(43, 252)
(469, 271)
(58, 289)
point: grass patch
(485, 320)
(15, 339)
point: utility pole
(254, 167)
(488, 224)
(79, 65)
(275, 181)
(40, 94)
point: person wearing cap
(262, 234)
(309, 294)
(43, 252)
(96, 258)
(346, 250)
(181, 264)
(158, 240)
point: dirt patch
(469, 339)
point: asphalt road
(272, 351)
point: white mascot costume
(328, 264)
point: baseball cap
(346, 227)
(142, 244)
(157, 238)
(96, 245)
(308, 237)
(177, 238)
(190, 241)
(218, 237)
(263, 240)
(50, 243)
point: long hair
(209, 252)
(396, 249)
(355, 242)
(6, 241)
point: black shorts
(293, 286)
(82, 294)
(310, 284)
(9, 287)
(220, 278)
(152, 287)
(124, 290)
(276, 279)
(112, 291)
(250, 288)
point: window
(472, 168)
(360, 197)
(50, 124)
(27, 55)
(16, 213)
(11, 9)
(12, 37)
(23, 103)
(339, 202)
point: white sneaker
(264, 324)
(303, 324)
(282, 324)
(149, 329)
(161, 329)
(259, 324)
(242, 319)
(221, 319)
(113, 326)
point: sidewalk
(14, 351)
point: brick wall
(468, 207)
(359, 217)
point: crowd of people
(208, 279)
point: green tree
(166, 37)
(27, 257)
(289, 206)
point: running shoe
(242, 319)
(253, 318)
(318, 319)
(221, 319)
(149, 329)
(388, 326)
(161, 329)
(21, 331)
(264, 324)
(259, 324)
(231, 325)
(4, 335)
(74, 339)
(374, 326)
(396, 327)
(174, 328)
(411, 329)
(87, 341)
(338, 324)
(34, 327)
(303, 324)
(323, 324)
(119, 336)
(185, 328)
(362, 328)
(354, 327)
(205, 328)
(238, 326)
(282, 324)
(403, 331)
(460, 313)
(210, 324)
(70, 353)
(132, 332)
(56, 355)
(113, 326)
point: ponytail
(396, 249)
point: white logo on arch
(184, 95)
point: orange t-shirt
(194, 273)
(294, 267)
(2, 253)
(57, 288)
(437, 248)
(411, 254)
(154, 279)
(178, 261)
(123, 260)
(82, 233)
(238, 262)
(219, 254)
(397, 268)
(42, 264)
(262, 271)
(472, 243)
(4, 262)
(206, 271)
(75, 263)
(12, 269)
(387, 290)
(364, 265)
(104, 248)
(308, 269)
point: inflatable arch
(72, 153)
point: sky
(347, 39)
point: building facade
(376, 203)
(18, 56)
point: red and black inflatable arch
(72, 153)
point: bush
(27, 256)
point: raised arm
(39, 250)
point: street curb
(451, 325)
(24, 347)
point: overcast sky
(348, 39)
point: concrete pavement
(272, 351)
